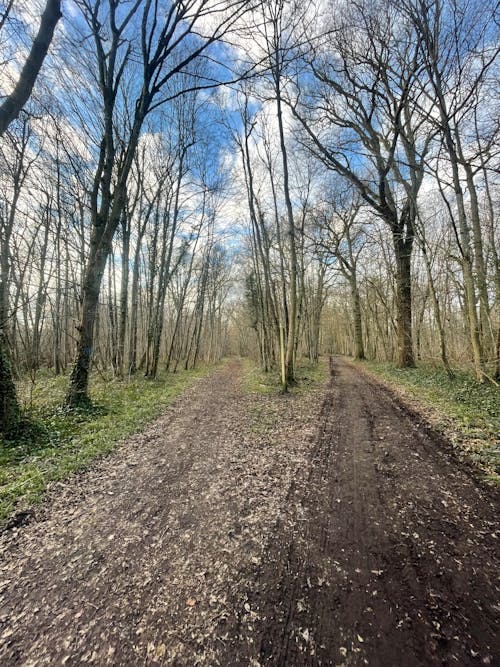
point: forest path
(395, 562)
(326, 528)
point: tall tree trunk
(67, 340)
(488, 339)
(58, 316)
(112, 314)
(292, 301)
(463, 232)
(180, 305)
(437, 314)
(359, 350)
(318, 303)
(134, 307)
(79, 381)
(9, 407)
(492, 220)
(122, 323)
(402, 250)
(40, 298)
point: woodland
(182, 181)
(249, 333)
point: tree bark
(78, 386)
(402, 250)
(9, 407)
(488, 338)
(13, 103)
(292, 300)
(132, 353)
(359, 350)
(122, 323)
(437, 315)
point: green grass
(464, 406)
(307, 377)
(53, 443)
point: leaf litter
(147, 558)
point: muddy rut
(395, 557)
(327, 528)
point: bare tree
(456, 50)
(166, 49)
(360, 120)
(17, 161)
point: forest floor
(324, 527)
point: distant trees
(99, 200)
(339, 195)
(396, 99)
(339, 233)
(360, 119)
(267, 303)
(167, 47)
(272, 31)
(457, 49)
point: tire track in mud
(392, 558)
(328, 528)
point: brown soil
(327, 528)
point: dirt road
(327, 528)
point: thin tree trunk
(124, 282)
(437, 315)
(292, 302)
(488, 338)
(463, 227)
(40, 299)
(58, 346)
(9, 407)
(359, 350)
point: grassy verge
(467, 412)
(56, 443)
(307, 376)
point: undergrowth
(52, 442)
(466, 410)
